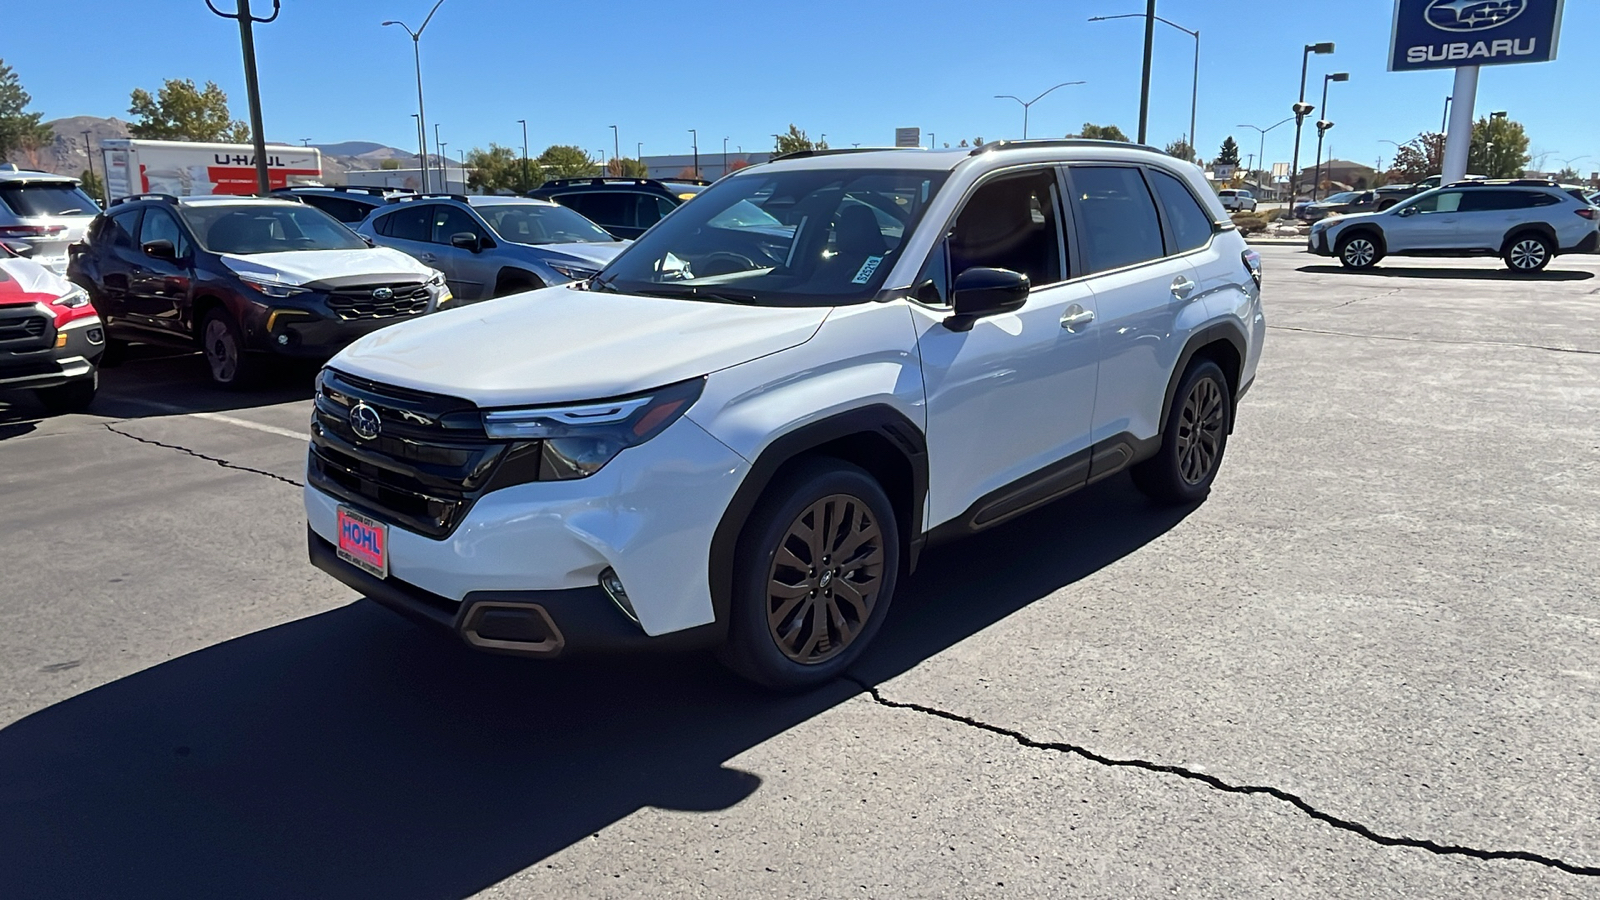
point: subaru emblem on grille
(382, 294)
(365, 421)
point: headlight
(272, 288)
(578, 440)
(71, 306)
(437, 281)
(77, 298)
(574, 272)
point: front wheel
(74, 396)
(1528, 253)
(223, 344)
(1358, 252)
(813, 578)
(1192, 441)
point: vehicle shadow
(349, 754)
(159, 381)
(1458, 274)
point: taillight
(1588, 212)
(30, 231)
(1252, 264)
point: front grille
(357, 302)
(24, 331)
(429, 463)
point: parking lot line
(219, 417)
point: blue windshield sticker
(867, 268)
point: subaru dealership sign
(1444, 34)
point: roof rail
(408, 197)
(344, 188)
(703, 182)
(1059, 142)
(164, 198)
(598, 179)
(1504, 182)
(833, 151)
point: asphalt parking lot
(1368, 665)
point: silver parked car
(48, 212)
(490, 246)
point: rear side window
(118, 230)
(606, 209)
(411, 222)
(159, 225)
(1191, 227)
(346, 211)
(449, 221)
(1117, 217)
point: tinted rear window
(1117, 217)
(1190, 225)
(47, 199)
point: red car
(51, 337)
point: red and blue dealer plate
(364, 542)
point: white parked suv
(751, 423)
(1237, 200)
(1526, 223)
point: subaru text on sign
(1444, 34)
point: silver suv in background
(1236, 200)
(1525, 222)
(490, 246)
(48, 212)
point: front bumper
(52, 366)
(649, 514)
(1318, 243)
(309, 326)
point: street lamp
(724, 156)
(252, 87)
(695, 137)
(1262, 156)
(1301, 110)
(1323, 125)
(1194, 95)
(416, 50)
(443, 182)
(526, 181)
(1028, 103)
(616, 148)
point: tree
(1499, 148)
(1418, 158)
(977, 142)
(1569, 175)
(566, 161)
(390, 163)
(182, 112)
(91, 184)
(1229, 154)
(500, 170)
(18, 130)
(627, 168)
(1180, 148)
(737, 164)
(796, 140)
(1101, 133)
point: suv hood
(330, 268)
(561, 345)
(595, 254)
(23, 280)
(1342, 221)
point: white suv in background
(751, 423)
(1527, 223)
(1237, 200)
(48, 212)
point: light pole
(416, 52)
(444, 182)
(88, 151)
(252, 86)
(422, 138)
(822, 141)
(933, 141)
(1194, 90)
(616, 148)
(305, 142)
(525, 179)
(1028, 103)
(695, 137)
(1323, 125)
(1301, 110)
(1445, 124)
(1262, 156)
(724, 156)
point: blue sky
(853, 69)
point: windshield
(263, 228)
(819, 237)
(50, 198)
(529, 223)
(1345, 197)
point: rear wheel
(222, 341)
(1528, 253)
(814, 576)
(1358, 251)
(1192, 441)
(74, 396)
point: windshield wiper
(695, 292)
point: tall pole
(695, 135)
(1027, 104)
(526, 181)
(88, 151)
(444, 176)
(1444, 124)
(1458, 139)
(422, 116)
(1323, 125)
(616, 147)
(1194, 96)
(252, 87)
(724, 156)
(1300, 113)
(1149, 54)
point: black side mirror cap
(982, 291)
(161, 249)
(466, 240)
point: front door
(471, 275)
(1437, 224)
(1010, 401)
(158, 291)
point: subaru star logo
(1472, 15)
(365, 421)
(382, 294)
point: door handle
(428, 257)
(1076, 317)
(1182, 287)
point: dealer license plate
(364, 542)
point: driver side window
(1012, 222)
(1438, 202)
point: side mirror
(161, 249)
(981, 291)
(466, 240)
(368, 238)
(1408, 211)
(20, 248)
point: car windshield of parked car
(824, 237)
(49, 198)
(262, 228)
(529, 223)
(1344, 197)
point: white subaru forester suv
(744, 430)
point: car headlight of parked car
(72, 305)
(574, 272)
(441, 293)
(577, 440)
(272, 288)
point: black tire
(1388, 205)
(1528, 252)
(72, 397)
(516, 284)
(773, 599)
(1183, 469)
(222, 344)
(1358, 251)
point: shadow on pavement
(349, 754)
(1485, 274)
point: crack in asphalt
(197, 455)
(1305, 312)
(1218, 784)
(1414, 340)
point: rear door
(409, 229)
(115, 256)
(158, 289)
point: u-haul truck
(188, 169)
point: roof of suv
(472, 199)
(946, 160)
(12, 174)
(676, 188)
(206, 200)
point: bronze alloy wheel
(825, 579)
(1200, 430)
